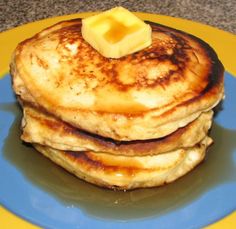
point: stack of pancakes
(138, 121)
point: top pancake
(145, 95)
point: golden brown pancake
(44, 129)
(123, 172)
(138, 121)
(145, 95)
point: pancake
(44, 129)
(122, 172)
(145, 95)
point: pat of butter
(116, 32)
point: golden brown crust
(162, 87)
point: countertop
(217, 13)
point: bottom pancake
(125, 172)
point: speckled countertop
(217, 13)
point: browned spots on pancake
(41, 63)
(216, 74)
(70, 34)
(173, 51)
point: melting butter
(116, 32)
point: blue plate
(43, 193)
